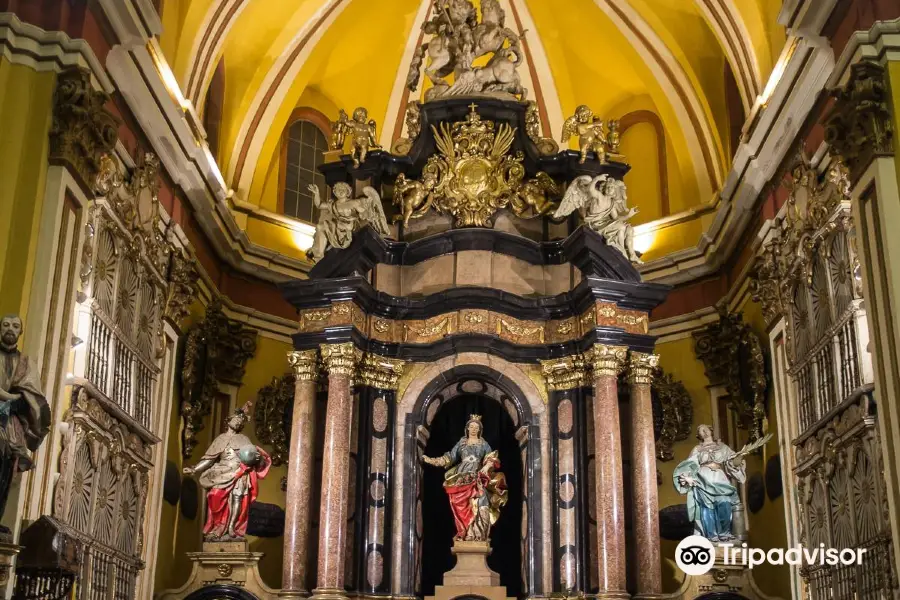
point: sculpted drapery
(475, 488)
(230, 471)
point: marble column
(643, 466)
(340, 362)
(606, 362)
(300, 474)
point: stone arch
(508, 384)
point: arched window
(304, 140)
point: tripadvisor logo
(695, 555)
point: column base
(647, 596)
(613, 595)
(329, 594)
(293, 594)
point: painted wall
(766, 527)
(179, 535)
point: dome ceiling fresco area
(684, 74)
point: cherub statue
(230, 471)
(361, 130)
(591, 133)
(342, 216)
(603, 203)
(413, 197)
(535, 195)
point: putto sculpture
(593, 134)
(360, 129)
(344, 215)
(24, 412)
(707, 477)
(230, 471)
(476, 489)
(603, 203)
(457, 40)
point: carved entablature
(732, 357)
(132, 277)
(101, 493)
(858, 127)
(843, 500)
(216, 352)
(808, 273)
(82, 130)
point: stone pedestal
(471, 576)
(722, 578)
(8, 553)
(224, 563)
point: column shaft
(643, 465)
(340, 361)
(606, 362)
(300, 473)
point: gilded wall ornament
(458, 39)
(361, 131)
(732, 357)
(546, 145)
(593, 134)
(82, 130)
(564, 373)
(272, 402)
(858, 126)
(181, 290)
(603, 203)
(673, 421)
(403, 145)
(216, 351)
(474, 175)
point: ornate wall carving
(272, 418)
(732, 356)
(82, 130)
(808, 273)
(858, 127)
(102, 492)
(843, 503)
(673, 412)
(216, 352)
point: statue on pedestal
(24, 412)
(476, 489)
(603, 202)
(230, 471)
(342, 216)
(708, 479)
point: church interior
(449, 299)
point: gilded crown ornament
(474, 175)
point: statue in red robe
(230, 471)
(475, 488)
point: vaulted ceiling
(692, 69)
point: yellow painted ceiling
(353, 57)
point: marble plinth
(223, 563)
(471, 576)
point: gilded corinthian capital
(641, 367)
(340, 359)
(305, 364)
(380, 372)
(606, 360)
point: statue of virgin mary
(474, 486)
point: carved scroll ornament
(732, 356)
(216, 351)
(673, 414)
(272, 402)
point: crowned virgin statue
(474, 486)
(230, 471)
(708, 479)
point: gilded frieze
(516, 330)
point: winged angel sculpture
(342, 216)
(603, 203)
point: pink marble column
(340, 362)
(606, 362)
(300, 470)
(643, 465)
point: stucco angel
(603, 203)
(342, 216)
